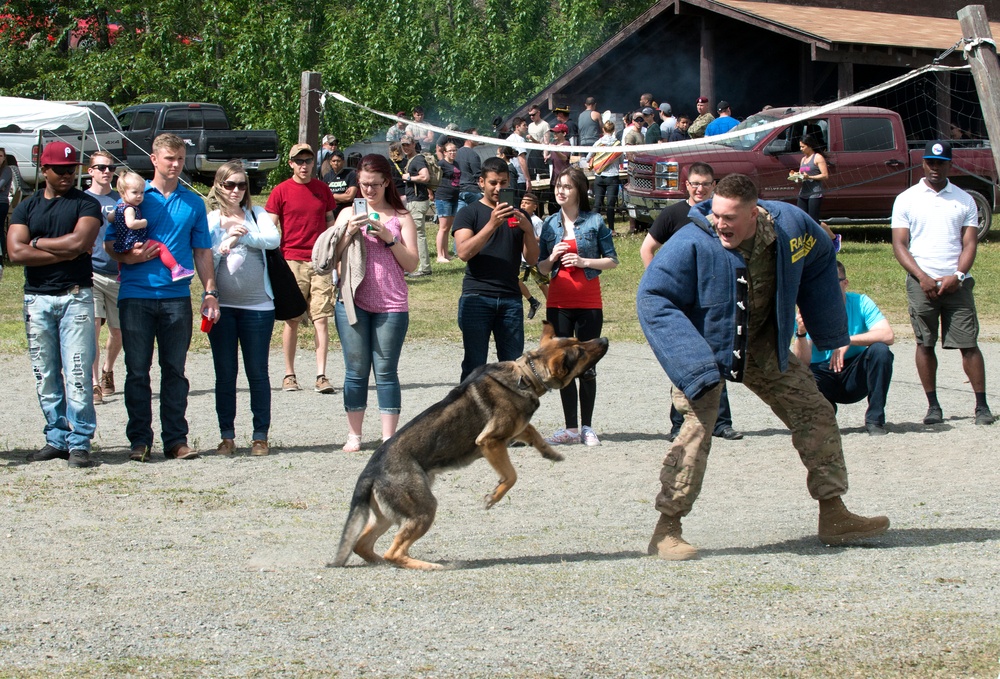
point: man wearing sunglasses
(102, 171)
(303, 208)
(51, 234)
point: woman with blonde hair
(246, 304)
(374, 248)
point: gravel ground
(217, 567)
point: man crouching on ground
(719, 302)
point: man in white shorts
(102, 171)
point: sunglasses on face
(63, 170)
(302, 161)
(229, 186)
(104, 168)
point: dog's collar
(536, 384)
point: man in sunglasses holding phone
(52, 234)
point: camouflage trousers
(793, 397)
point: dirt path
(216, 567)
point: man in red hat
(697, 129)
(51, 234)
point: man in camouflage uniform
(719, 301)
(697, 128)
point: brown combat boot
(667, 542)
(838, 526)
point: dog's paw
(489, 501)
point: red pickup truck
(869, 159)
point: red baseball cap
(59, 153)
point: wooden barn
(754, 53)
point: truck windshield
(752, 136)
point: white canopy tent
(29, 123)
(32, 115)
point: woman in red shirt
(576, 246)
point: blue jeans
(467, 198)
(480, 316)
(61, 345)
(249, 330)
(374, 341)
(866, 375)
(168, 322)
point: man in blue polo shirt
(865, 368)
(153, 307)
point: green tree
(465, 61)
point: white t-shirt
(935, 220)
(538, 131)
(514, 141)
(417, 131)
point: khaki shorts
(106, 299)
(317, 289)
(534, 274)
(956, 314)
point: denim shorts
(446, 208)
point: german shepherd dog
(477, 419)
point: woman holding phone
(575, 247)
(376, 244)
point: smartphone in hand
(508, 196)
(360, 206)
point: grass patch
(867, 254)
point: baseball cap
(647, 111)
(723, 105)
(665, 108)
(935, 150)
(301, 148)
(58, 153)
(702, 100)
(561, 128)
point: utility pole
(309, 109)
(985, 70)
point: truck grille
(640, 168)
(641, 183)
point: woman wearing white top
(240, 234)
(607, 180)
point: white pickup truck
(27, 125)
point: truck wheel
(985, 211)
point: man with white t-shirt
(934, 237)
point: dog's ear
(548, 332)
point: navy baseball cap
(937, 150)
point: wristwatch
(210, 293)
(34, 242)
(389, 245)
(961, 276)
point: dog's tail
(357, 519)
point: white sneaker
(562, 437)
(589, 437)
